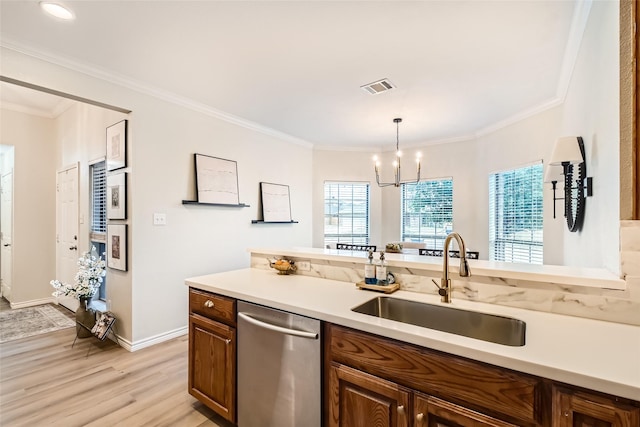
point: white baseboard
(157, 339)
(31, 303)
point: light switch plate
(159, 219)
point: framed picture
(117, 196)
(103, 325)
(276, 203)
(216, 180)
(117, 246)
(117, 146)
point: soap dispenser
(381, 271)
(370, 271)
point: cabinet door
(577, 409)
(212, 365)
(430, 411)
(358, 399)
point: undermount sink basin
(482, 326)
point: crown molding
(146, 89)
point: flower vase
(85, 318)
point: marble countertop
(557, 274)
(598, 355)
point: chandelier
(396, 164)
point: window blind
(427, 212)
(515, 215)
(346, 213)
(98, 197)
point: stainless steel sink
(482, 326)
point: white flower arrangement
(88, 279)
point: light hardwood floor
(45, 382)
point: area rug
(30, 321)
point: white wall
(197, 239)
(34, 197)
(591, 110)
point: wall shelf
(259, 221)
(195, 202)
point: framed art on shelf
(117, 146)
(276, 203)
(117, 196)
(216, 180)
(117, 246)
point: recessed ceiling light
(57, 10)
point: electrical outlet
(304, 265)
(159, 219)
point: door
(67, 230)
(212, 365)
(359, 399)
(577, 409)
(430, 411)
(6, 234)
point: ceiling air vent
(378, 87)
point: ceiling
(296, 67)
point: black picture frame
(116, 141)
(117, 196)
(216, 180)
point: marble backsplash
(595, 303)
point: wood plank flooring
(45, 382)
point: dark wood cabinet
(377, 381)
(573, 408)
(430, 411)
(212, 352)
(362, 400)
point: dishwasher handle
(295, 333)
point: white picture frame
(276, 202)
(216, 180)
(117, 196)
(117, 146)
(117, 246)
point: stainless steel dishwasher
(279, 368)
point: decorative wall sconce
(569, 154)
(396, 164)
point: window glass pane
(515, 215)
(98, 198)
(346, 213)
(427, 212)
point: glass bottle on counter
(370, 271)
(381, 271)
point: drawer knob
(227, 341)
(420, 417)
(208, 303)
(401, 409)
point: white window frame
(334, 215)
(519, 240)
(435, 219)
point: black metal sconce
(569, 153)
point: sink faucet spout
(464, 271)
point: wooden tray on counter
(387, 289)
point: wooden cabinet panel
(430, 411)
(213, 306)
(358, 399)
(474, 384)
(212, 365)
(578, 409)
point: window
(515, 215)
(346, 212)
(427, 212)
(98, 182)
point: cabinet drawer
(213, 306)
(476, 385)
